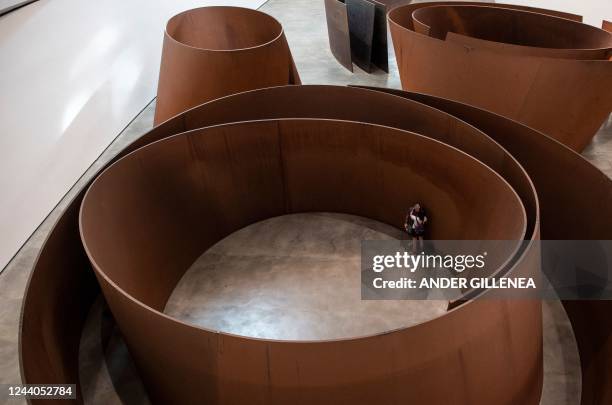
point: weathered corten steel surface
(62, 285)
(357, 32)
(355, 370)
(531, 65)
(567, 184)
(211, 52)
(173, 199)
(361, 17)
(338, 32)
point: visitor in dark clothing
(415, 223)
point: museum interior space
(209, 202)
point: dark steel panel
(358, 28)
(380, 53)
(338, 32)
(361, 30)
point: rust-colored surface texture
(248, 153)
(291, 150)
(357, 32)
(568, 183)
(338, 32)
(275, 167)
(541, 68)
(211, 52)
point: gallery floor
(105, 364)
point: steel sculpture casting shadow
(173, 199)
(211, 52)
(539, 67)
(441, 127)
(357, 32)
(62, 286)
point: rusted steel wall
(53, 310)
(550, 73)
(525, 316)
(211, 52)
(172, 199)
(357, 32)
(338, 32)
(565, 182)
(227, 173)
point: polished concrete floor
(295, 277)
(105, 363)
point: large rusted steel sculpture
(568, 183)
(211, 52)
(357, 31)
(251, 152)
(541, 68)
(311, 148)
(216, 180)
(367, 383)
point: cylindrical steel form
(173, 199)
(565, 182)
(306, 155)
(211, 52)
(550, 73)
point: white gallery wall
(73, 74)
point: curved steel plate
(50, 319)
(553, 73)
(173, 199)
(273, 102)
(211, 52)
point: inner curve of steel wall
(58, 307)
(178, 125)
(61, 287)
(211, 52)
(560, 91)
(565, 182)
(211, 182)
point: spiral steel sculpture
(147, 215)
(531, 65)
(61, 286)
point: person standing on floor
(415, 223)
